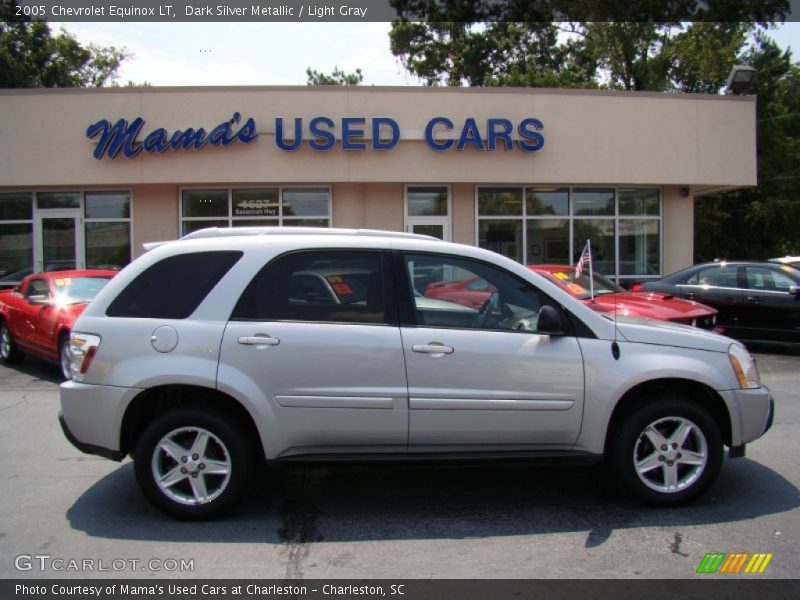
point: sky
(180, 54)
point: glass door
(427, 210)
(59, 242)
(434, 227)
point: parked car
(201, 358)
(36, 317)
(608, 297)
(757, 301)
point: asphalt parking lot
(378, 521)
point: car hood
(664, 333)
(651, 305)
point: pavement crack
(22, 400)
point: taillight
(83, 348)
(637, 287)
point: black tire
(227, 443)
(63, 347)
(9, 353)
(669, 476)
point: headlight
(744, 366)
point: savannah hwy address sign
(127, 138)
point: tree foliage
(337, 77)
(31, 56)
(663, 46)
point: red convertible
(37, 315)
(608, 297)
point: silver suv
(227, 347)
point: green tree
(761, 222)
(31, 56)
(338, 77)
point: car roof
(224, 232)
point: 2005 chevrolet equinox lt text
(230, 346)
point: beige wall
(463, 217)
(155, 215)
(678, 230)
(591, 137)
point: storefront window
(639, 202)
(639, 247)
(50, 200)
(601, 234)
(108, 205)
(16, 206)
(16, 250)
(593, 202)
(548, 241)
(306, 202)
(255, 203)
(501, 236)
(427, 201)
(255, 207)
(16, 234)
(107, 229)
(558, 221)
(499, 202)
(205, 203)
(108, 245)
(546, 202)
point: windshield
(75, 290)
(580, 287)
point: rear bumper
(88, 448)
(91, 416)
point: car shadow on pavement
(33, 367)
(299, 504)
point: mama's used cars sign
(129, 138)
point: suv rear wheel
(192, 464)
(668, 452)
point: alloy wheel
(670, 454)
(191, 466)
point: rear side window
(173, 288)
(332, 286)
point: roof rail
(215, 232)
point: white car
(787, 260)
(226, 347)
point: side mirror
(39, 299)
(793, 290)
(550, 322)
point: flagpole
(591, 274)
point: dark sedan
(757, 301)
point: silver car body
(363, 389)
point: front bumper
(91, 416)
(752, 413)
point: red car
(608, 297)
(37, 315)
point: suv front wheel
(668, 452)
(192, 464)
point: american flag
(584, 260)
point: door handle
(433, 348)
(754, 299)
(690, 295)
(260, 339)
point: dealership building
(88, 176)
